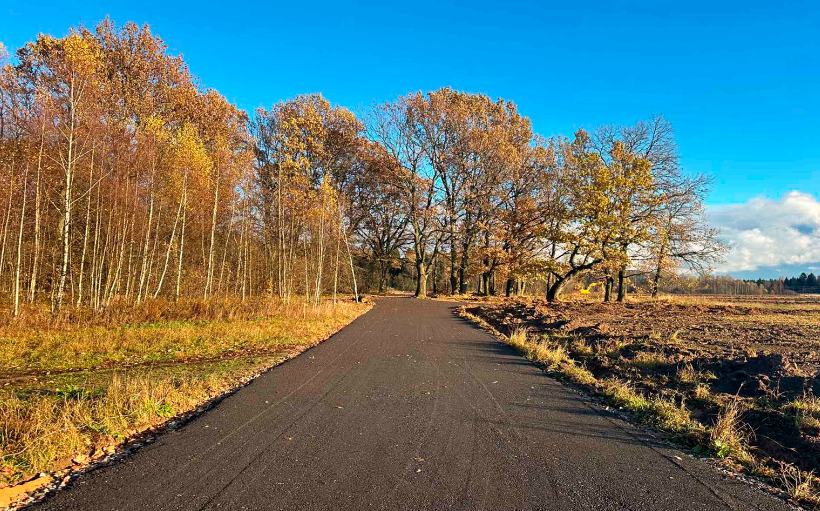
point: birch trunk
(144, 269)
(20, 246)
(320, 258)
(6, 220)
(69, 182)
(182, 233)
(349, 256)
(168, 250)
(209, 277)
(36, 263)
(85, 235)
(225, 250)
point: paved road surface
(409, 407)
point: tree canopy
(123, 179)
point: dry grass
(701, 392)
(649, 359)
(799, 484)
(580, 347)
(724, 439)
(85, 344)
(730, 377)
(657, 410)
(121, 312)
(577, 374)
(39, 430)
(806, 413)
(688, 374)
(519, 339)
(550, 355)
(46, 418)
(614, 347)
(543, 351)
(728, 435)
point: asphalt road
(409, 407)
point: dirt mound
(594, 332)
(777, 436)
(771, 374)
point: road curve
(409, 407)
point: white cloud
(766, 232)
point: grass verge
(724, 438)
(74, 392)
(555, 358)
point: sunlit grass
(806, 412)
(656, 370)
(47, 417)
(649, 359)
(656, 410)
(688, 374)
(91, 346)
(727, 436)
(724, 438)
(75, 420)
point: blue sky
(739, 80)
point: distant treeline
(802, 284)
(729, 285)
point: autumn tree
(63, 71)
(588, 224)
(123, 180)
(411, 170)
(524, 229)
(682, 236)
(305, 152)
(121, 164)
(379, 216)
